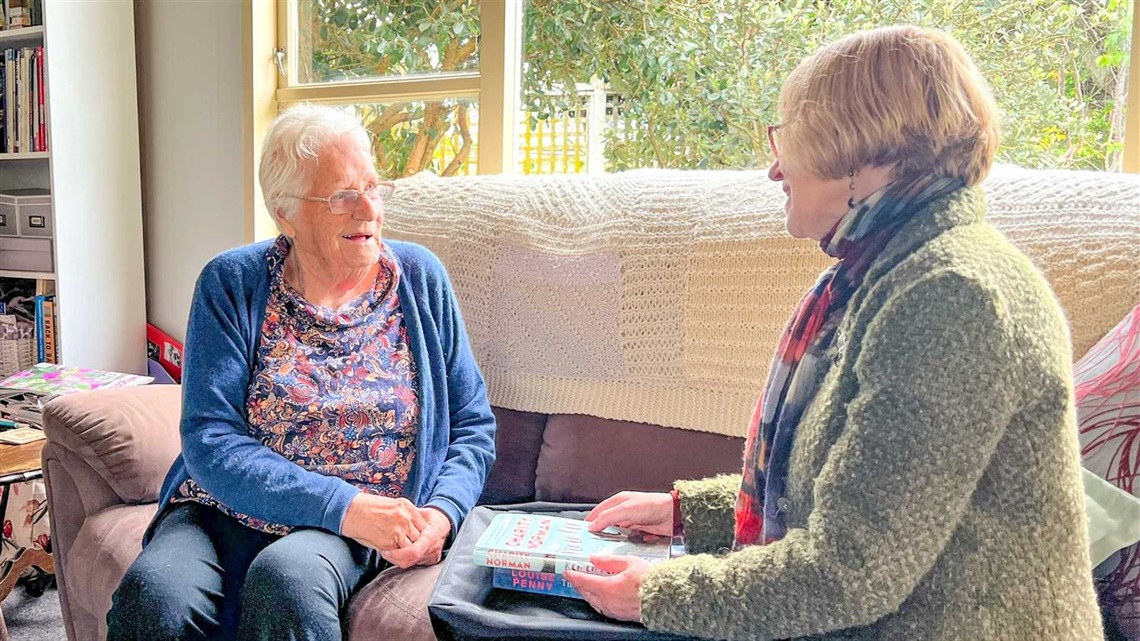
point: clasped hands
(405, 535)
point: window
(413, 71)
(343, 40)
(606, 86)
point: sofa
(568, 432)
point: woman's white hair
(292, 142)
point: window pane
(694, 83)
(409, 137)
(343, 40)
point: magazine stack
(23, 395)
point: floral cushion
(1108, 414)
(25, 522)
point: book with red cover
(42, 124)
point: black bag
(464, 606)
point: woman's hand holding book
(650, 512)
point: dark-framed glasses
(344, 201)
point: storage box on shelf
(26, 230)
(26, 254)
(31, 208)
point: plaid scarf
(801, 358)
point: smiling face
(815, 205)
(339, 243)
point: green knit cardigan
(934, 489)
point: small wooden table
(20, 463)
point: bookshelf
(92, 170)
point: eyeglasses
(772, 140)
(344, 201)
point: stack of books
(530, 552)
(21, 419)
(23, 395)
(16, 14)
(24, 122)
(28, 321)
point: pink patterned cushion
(1108, 413)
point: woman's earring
(851, 200)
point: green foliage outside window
(697, 80)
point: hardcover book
(534, 582)
(45, 328)
(553, 544)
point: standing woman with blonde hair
(912, 469)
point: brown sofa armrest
(128, 437)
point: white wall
(190, 110)
(95, 184)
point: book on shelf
(17, 14)
(41, 102)
(17, 324)
(28, 324)
(22, 96)
(45, 329)
(551, 544)
(51, 339)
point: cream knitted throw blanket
(657, 296)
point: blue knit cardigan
(456, 441)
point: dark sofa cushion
(586, 459)
(517, 443)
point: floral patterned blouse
(334, 391)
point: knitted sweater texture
(934, 490)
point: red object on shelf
(163, 349)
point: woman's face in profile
(814, 205)
(349, 240)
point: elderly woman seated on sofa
(912, 468)
(334, 419)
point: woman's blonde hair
(903, 94)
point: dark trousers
(204, 575)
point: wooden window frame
(493, 86)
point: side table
(20, 463)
